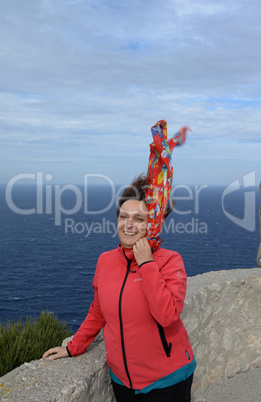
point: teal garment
(174, 378)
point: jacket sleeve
(165, 288)
(90, 327)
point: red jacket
(139, 309)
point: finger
(142, 244)
(55, 356)
(47, 353)
(139, 243)
(137, 249)
(146, 241)
(136, 246)
(50, 352)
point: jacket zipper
(121, 323)
(165, 344)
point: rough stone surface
(259, 250)
(222, 316)
(82, 378)
(259, 256)
(243, 387)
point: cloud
(87, 79)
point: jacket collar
(129, 253)
(124, 253)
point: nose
(129, 222)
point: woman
(139, 292)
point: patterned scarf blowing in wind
(160, 172)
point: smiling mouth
(129, 233)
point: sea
(52, 235)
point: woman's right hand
(56, 353)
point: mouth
(129, 233)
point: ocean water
(50, 243)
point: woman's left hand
(142, 251)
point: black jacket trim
(165, 344)
(146, 262)
(69, 353)
(121, 321)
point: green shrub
(25, 340)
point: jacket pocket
(165, 344)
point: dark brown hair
(136, 191)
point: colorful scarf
(160, 172)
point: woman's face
(132, 222)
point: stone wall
(259, 250)
(222, 316)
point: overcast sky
(83, 81)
